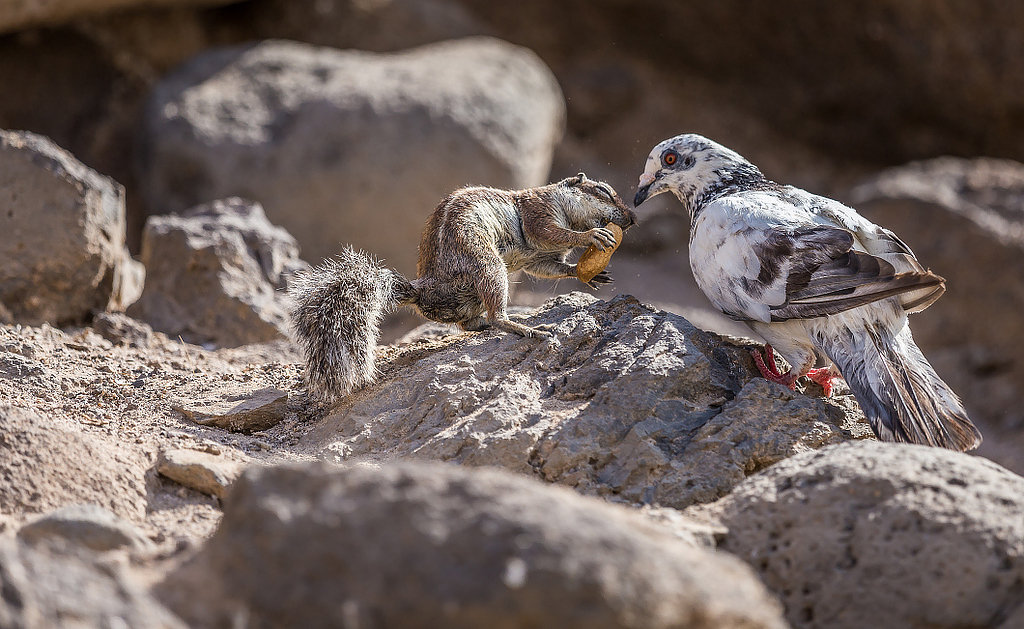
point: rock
(43, 588)
(208, 473)
(417, 545)
(965, 220)
(86, 525)
(341, 146)
(119, 328)
(23, 369)
(625, 401)
(45, 467)
(20, 15)
(261, 410)
(215, 274)
(64, 232)
(881, 535)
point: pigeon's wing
(823, 274)
(881, 242)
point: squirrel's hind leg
(492, 286)
(508, 325)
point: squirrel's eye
(670, 158)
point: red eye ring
(670, 158)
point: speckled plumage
(819, 282)
(471, 242)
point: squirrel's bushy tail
(899, 391)
(336, 312)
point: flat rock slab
(432, 545)
(33, 13)
(208, 473)
(261, 410)
(882, 535)
(86, 525)
(624, 401)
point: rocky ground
(162, 466)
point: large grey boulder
(62, 254)
(964, 218)
(72, 588)
(624, 401)
(430, 545)
(883, 535)
(347, 146)
(44, 467)
(216, 274)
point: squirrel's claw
(600, 280)
(602, 238)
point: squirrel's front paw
(602, 238)
(600, 280)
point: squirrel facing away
(475, 237)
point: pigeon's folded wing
(824, 275)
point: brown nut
(594, 260)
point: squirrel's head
(596, 204)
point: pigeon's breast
(723, 262)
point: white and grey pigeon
(825, 287)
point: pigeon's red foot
(770, 371)
(824, 377)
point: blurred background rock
(185, 102)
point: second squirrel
(471, 242)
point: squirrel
(475, 237)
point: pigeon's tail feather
(900, 393)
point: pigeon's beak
(643, 189)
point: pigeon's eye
(670, 158)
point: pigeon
(826, 288)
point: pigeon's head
(693, 168)
(594, 204)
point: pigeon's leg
(823, 376)
(770, 371)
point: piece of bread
(594, 260)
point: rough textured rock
(258, 411)
(86, 525)
(209, 473)
(347, 146)
(624, 401)
(965, 220)
(879, 535)
(119, 328)
(417, 545)
(72, 589)
(64, 233)
(215, 274)
(43, 466)
(21, 14)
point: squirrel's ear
(574, 181)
